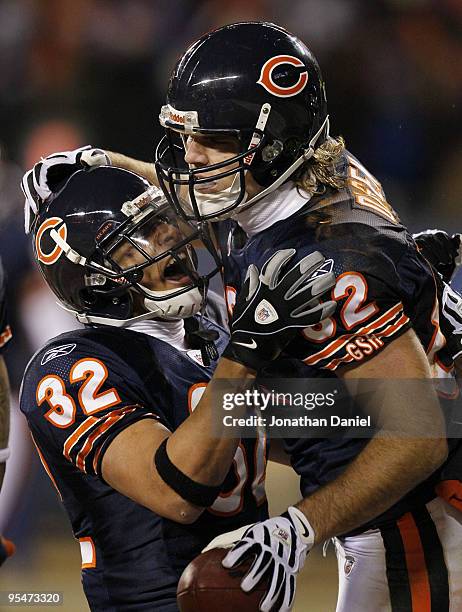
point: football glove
(280, 545)
(444, 252)
(272, 305)
(48, 174)
(7, 549)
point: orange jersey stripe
(339, 342)
(415, 561)
(332, 365)
(96, 458)
(391, 329)
(74, 437)
(106, 424)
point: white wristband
(4, 454)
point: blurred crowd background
(95, 71)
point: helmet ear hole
(118, 307)
(272, 151)
(88, 297)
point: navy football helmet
(253, 81)
(97, 236)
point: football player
(7, 547)
(119, 410)
(247, 147)
(247, 144)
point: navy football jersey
(384, 286)
(78, 393)
(5, 330)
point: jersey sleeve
(5, 330)
(77, 397)
(371, 296)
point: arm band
(193, 492)
(4, 454)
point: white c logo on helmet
(266, 76)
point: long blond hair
(321, 169)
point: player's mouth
(208, 187)
(174, 272)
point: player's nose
(195, 154)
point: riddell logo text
(176, 118)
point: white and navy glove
(49, 173)
(443, 251)
(281, 545)
(273, 304)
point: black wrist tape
(193, 492)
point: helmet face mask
(183, 184)
(159, 263)
(115, 239)
(254, 81)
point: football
(206, 586)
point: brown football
(206, 586)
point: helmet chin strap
(86, 319)
(180, 307)
(213, 203)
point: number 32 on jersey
(355, 310)
(52, 390)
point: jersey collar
(172, 332)
(279, 205)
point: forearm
(144, 169)
(383, 473)
(196, 447)
(409, 446)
